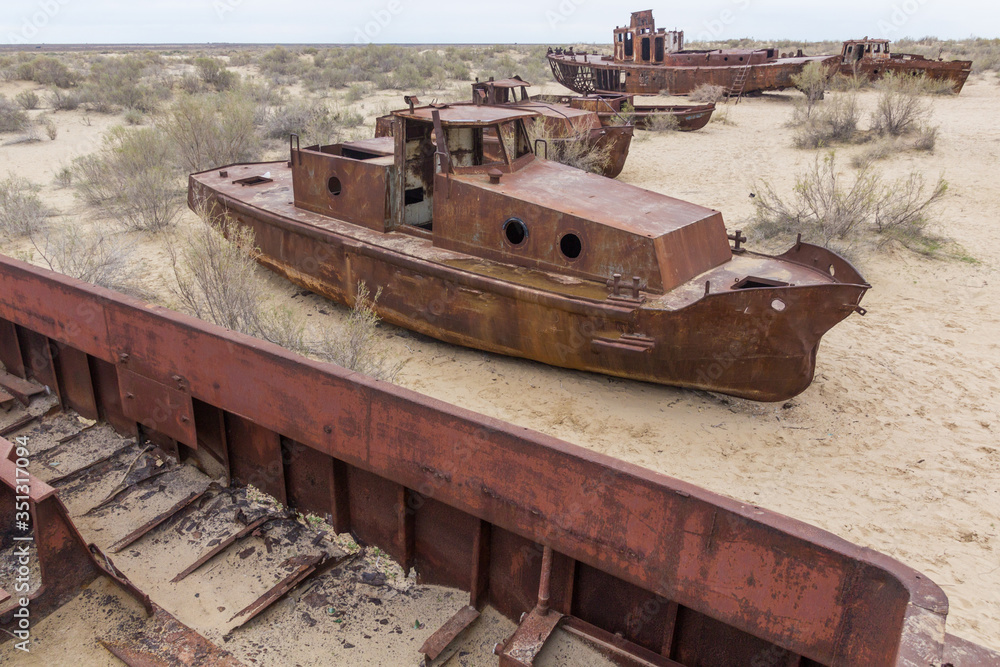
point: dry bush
(214, 73)
(51, 131)
(27, 100)
(133, 117)
(869, 210)
(900, 109)
(63, 177)
(662, 123)
(358, 346)
(836, 121)
(213, 130)
(21, 211)
(573, 148)
(12, 118)
(707, 93)
(65, 100)
(131, 180)
(126, 82)
(104, 260)
(925, 138)
(312, 122)
(48, 71)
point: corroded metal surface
(873, 59)
(532, 522)
(648, 61)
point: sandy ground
(893, 447)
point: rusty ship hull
(609, 108)
(955, 71)
(757, 343)
(681, 73)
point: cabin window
(515, 140)
(850, 49)
(645, 49)
(571, 246)
(754, 282)
(878, 48)
(413, 196)
(515, 231)
(629, 46)
(334, 186)
(658, 49)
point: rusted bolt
(184, 419)
(328, 429)
(129, 395)
(498, 649)
(223, 173)
(123, 357)
(494, 175)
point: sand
(893, 447)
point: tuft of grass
(64, 177)
(900, 108)
(130, 179)
(662, 123)
(21, 211)
(868, 210)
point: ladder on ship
(740, 82)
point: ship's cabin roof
(464, 115)
(500, 91)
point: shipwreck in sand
(649, 61)
(508, 252)
(168, 418)
(873, 59)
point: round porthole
(334, 186)
(778, 305)
(515, 231)
(833, 270)
(570, 246)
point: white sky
(465, 21)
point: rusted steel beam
(10, 349)
(535, 628)
(223, 545)
(153, 523)
(436, 644)
(307, 567)
(610, 525)
(20, 389)
(613, 647)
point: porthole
(515, 231)
(833, 270)
(778, 305)
(334, 186)
(571, 246)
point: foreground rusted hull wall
(471, 501)
(732, 342)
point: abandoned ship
(527, 257)
(872, 59)
(649, 61)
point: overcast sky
(465, 21)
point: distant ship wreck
(648, 61)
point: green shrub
(900, 109)
(62, 100)
(214, 73)
(836, 121)
(12, 118)
(47, 71)
(27, 100)
(213, 130)
(126, 82)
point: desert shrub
(126, 82)
(356, 92)
(310, 121)
(217, 280)
(662, 123)
(813, 81)
(574, 150)
(836, 121)
(133, 117)
(707, 93)
(12, 118)
(21, 211)
(212, 130)
(47, 71)
(358, 347)
(64, 100)
(27, 100)
(191, 83)
(925, 138)
(868, 210)
(900, 109)
(107, 260)
(240, 59)
(282, 63)
(51, 131)
(214, 73)
(131, 180)
(64, 177)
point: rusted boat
(611, 110)
(556, 126)
(873, 59)
(531, 258)
(635, 567)
(648, 61)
